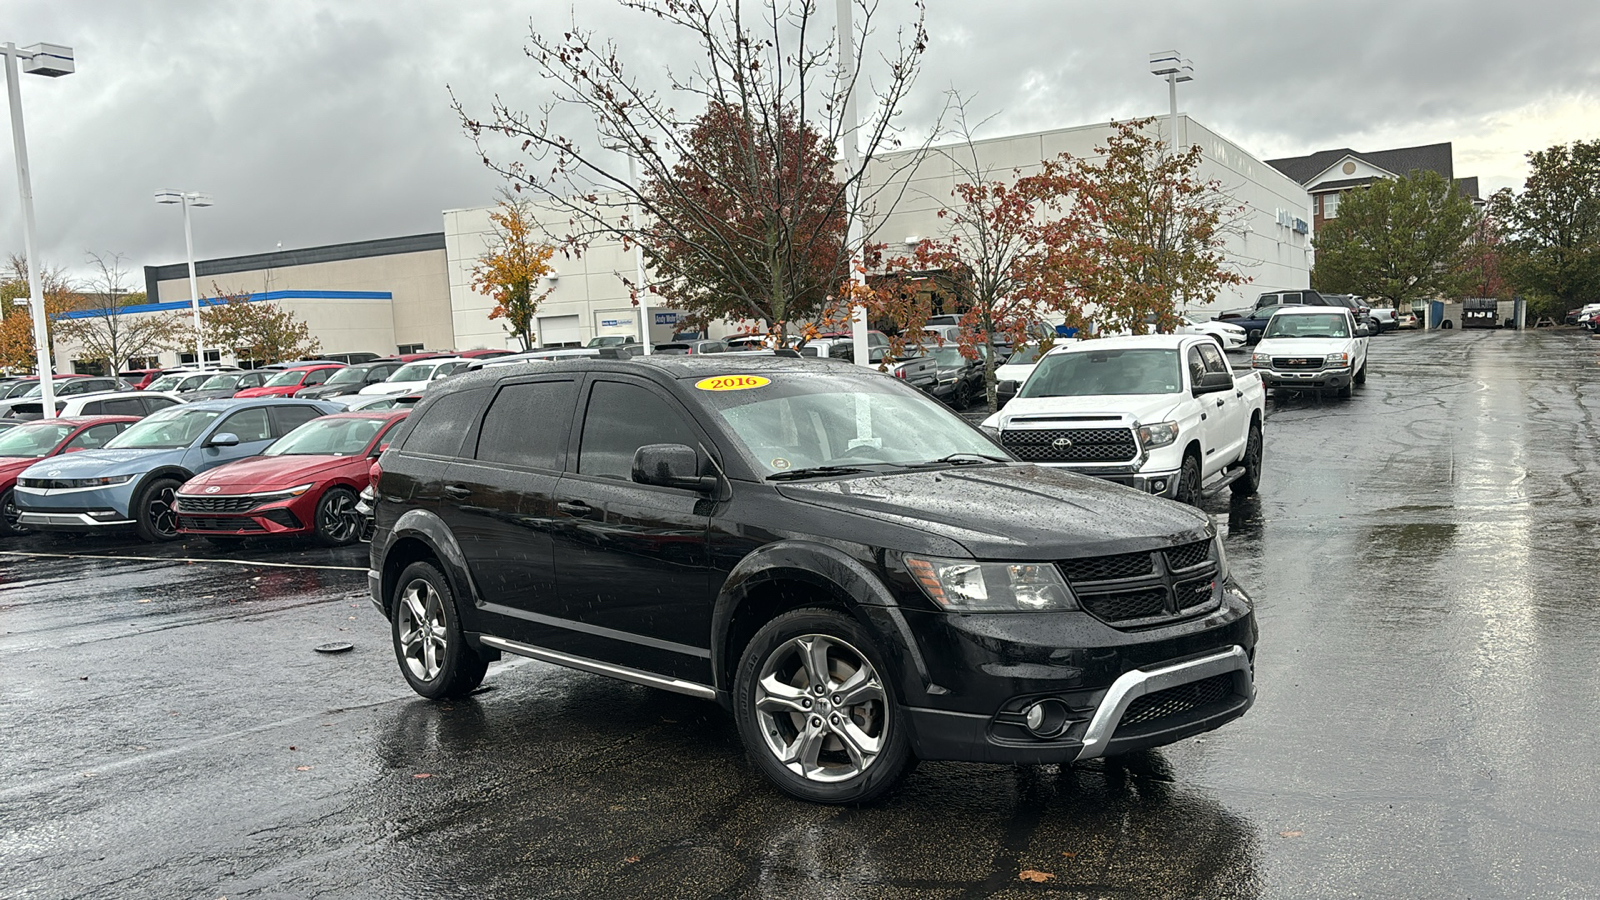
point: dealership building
(411, 293)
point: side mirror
(225, 439)
(670, 465)
(378, 451)
(1363, 331)
(1212, 382)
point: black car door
(631, 559)
(499, 501)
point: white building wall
(1272, 256)
(588, 296)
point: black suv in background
(855, 572)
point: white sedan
(413, 377)
(1230, 336)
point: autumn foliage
(256, 330)
(509, 271)
(16, 326)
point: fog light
(1158, 486)
(1046, 718)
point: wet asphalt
(1424, 558)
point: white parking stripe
(183, 559)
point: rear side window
(442, 425)
(150, 405)
(621, 418)
(527, 425)
(126, 406)
(292, 417)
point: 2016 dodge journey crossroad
(859, 575)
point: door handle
(1238, 393)
(575, 508)
(456, 492)
(1219, 402)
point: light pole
(188, 199)
(51, 61)
(1167, 64)
(852, 155)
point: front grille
(1071, 444)
(1124, 606)
(1106, 568)
(1175, 701)
(1194, 593)
(216, 504)
(1297, 362)
(218, 523)
(45, 484)
(1188, 556)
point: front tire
(816, 709)
(155, 511)
(10, 516)
(337, 523)
(1361, 374)
(1189, 482)
(1250, 481)
(428, 641)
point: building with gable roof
(1327, 174)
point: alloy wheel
(821, 708)
(339, 519)
(422, 630)
(163, 515)
(12, 515)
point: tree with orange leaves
(16, 328)
(511, 268)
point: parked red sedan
(26, 444)
(306, 483)
(285, 383)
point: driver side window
(621, 418)
(248, 424)
(1197, 366)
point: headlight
(290, 492)
(959, 585)
(1222, 560)
(97, 482)
(1158, 435)
(993, 431)
(1337, 361)
(1261, 360)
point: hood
(265, 473)
(1017, 372)
(99, 463)
(394, 387)
(1143, 408)
(1304, 346)
(324, 390)
(12, 466)
(213, 394)
(1013, 511)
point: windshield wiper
(814, 472)
(959, 459)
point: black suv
(858, 574)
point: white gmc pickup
(1162, 413)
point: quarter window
(621, 418)
(444, 423)
(527, 425)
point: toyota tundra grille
(1071, 445)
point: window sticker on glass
(732, 383)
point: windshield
(1095, 373)
(165, 383)
(220, 382)
(283, 379)
(1026, 354)
(612, 340)
(193, 382)
(328, 437)
(1321, 325)
(414, 372)
(949, 356)
(168, 429)
(348, 376)
(800, 421)
(38, 389)
(32, 440)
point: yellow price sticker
(732, 383)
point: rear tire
(816, 710)
(428, 641)
(155, 513)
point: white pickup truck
(1162, 413)
(1315, 348)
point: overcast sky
(324, 121)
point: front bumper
(1120, 690)
(1322, 378)
(269, 518)
(1161, 484)
(75, 509)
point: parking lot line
(187, 559)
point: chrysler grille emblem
(1061, 444)
(213, 489)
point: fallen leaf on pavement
(1034, 875)
(423, 775)
(1289, 834)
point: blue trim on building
(212, 301)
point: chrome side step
(623, 673)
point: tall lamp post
(188, 199)
(51, 61)
(1168, 65)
